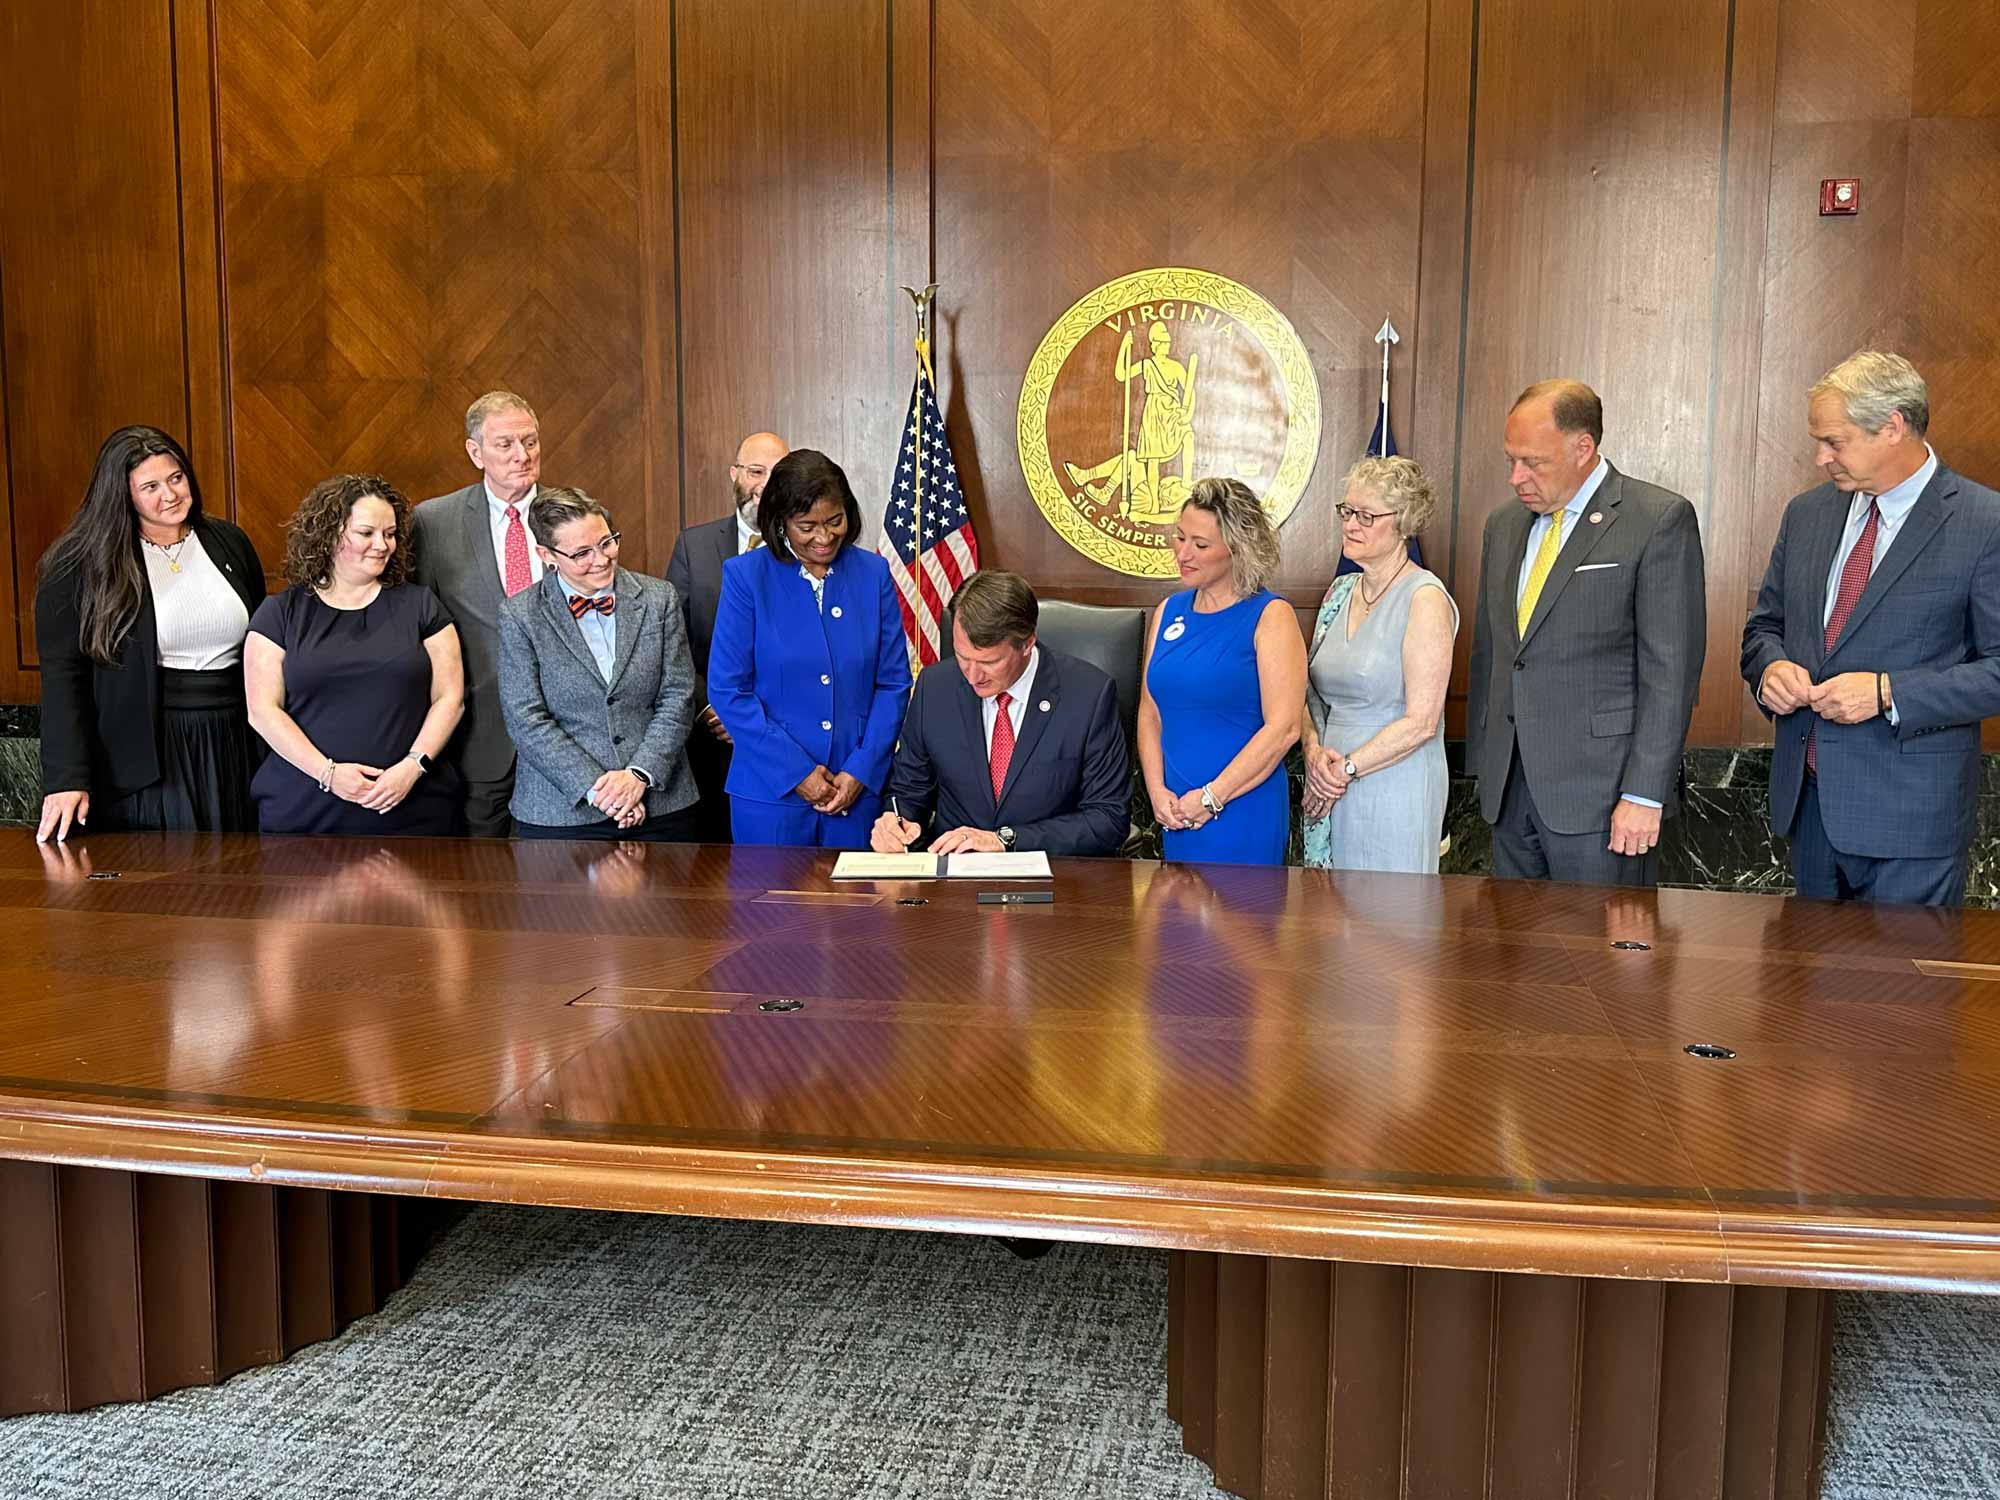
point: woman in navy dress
(1225, 672)
(807, 668)
(353, 675)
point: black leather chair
(1112, 640)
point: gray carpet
(542, 1353)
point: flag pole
(1386, 336)
(922, 301)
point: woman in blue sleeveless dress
(1225, 674)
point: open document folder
(1027, 865)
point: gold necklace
(170, 551)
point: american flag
(927, 535)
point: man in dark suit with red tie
(1008, 745)
(1875, 646)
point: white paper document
(1026, 865)
(857, 865)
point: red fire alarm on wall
(1840, 195)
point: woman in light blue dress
(1376, 677)
(1225, 667)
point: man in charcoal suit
(1587, 648)
(1008, 745)
(471, 549)
(1875, 647)
(695, 571)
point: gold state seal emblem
(1149, 383)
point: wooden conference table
(1453, 1212)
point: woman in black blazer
(140, 611)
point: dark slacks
(708, 758)
(668, 828)
(486, 815)
(1525, 848)
(1824, 873)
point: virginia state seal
(1146, 385)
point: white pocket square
(1593, 567)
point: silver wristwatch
(1007, 839)
(1349, 768)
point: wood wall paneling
(1281, 147)
(790, 318)
(90, 263)
(423, 203)
(666, 222)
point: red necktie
(1853, 579)
(514, 560)
(1003, 745)
(582, 604)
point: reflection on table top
(1450, 1072)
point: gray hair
(489, 404)
(1246, 530)
(554, 509)
(1873, 387)
(1403, 487)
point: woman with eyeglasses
(807, 668)
(1373, 730)
(597, 688)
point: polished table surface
(1445, 1072)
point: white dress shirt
(496, 510)
(1017, 703)
(747, 539)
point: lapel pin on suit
(1596, 517)
(1043, 705)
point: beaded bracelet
(326, 777)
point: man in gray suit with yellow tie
(472, 550)
(1875, 647)
(1587, 648)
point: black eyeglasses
(1365, 517)
(606, 549)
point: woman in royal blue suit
(807, 668)
(1216, 714)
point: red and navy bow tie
(579, 606)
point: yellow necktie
(1545, 561)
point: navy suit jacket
(1930, 618)
(1067, 784)
(798, 687)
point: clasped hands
(829, 792)
(1845, 698)
(1326, 781)
(1182, 813)
(371, 786)
(620, 796)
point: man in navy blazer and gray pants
(1009, 744)
(1875, 645)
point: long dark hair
(101, 543)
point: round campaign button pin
(1043, 705)
(836, 611)
(1595, 517)
(1174, 631)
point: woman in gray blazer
(597, 687)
